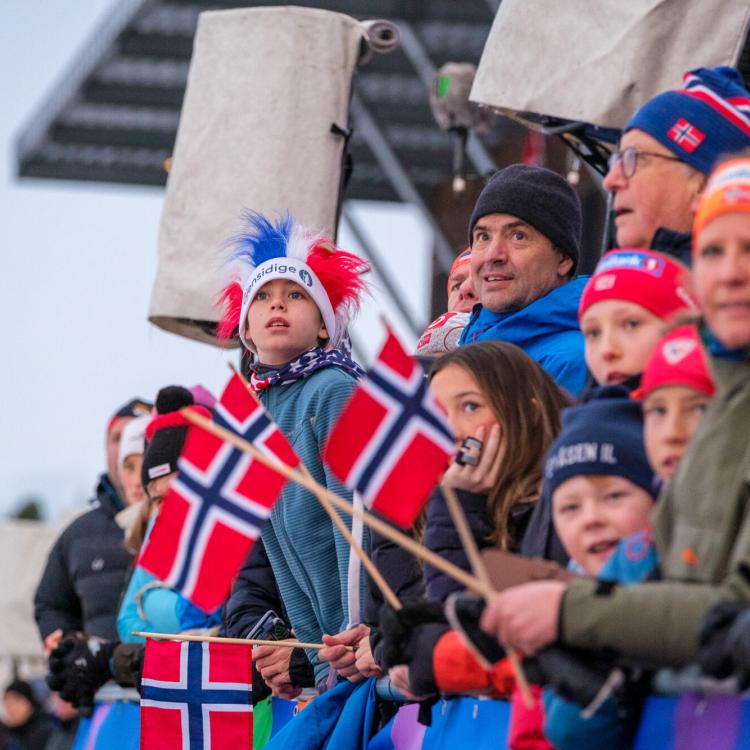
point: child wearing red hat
(625, 308)
(675, 390)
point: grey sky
(78, 262)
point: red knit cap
(678, 359)
(653, 280)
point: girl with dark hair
(505, 411)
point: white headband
(294, 270)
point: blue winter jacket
(547, 330)
(320, 588)
(165, 610)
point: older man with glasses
(667, 150)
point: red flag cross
(196, 696)
(215, 508)
(686, 135)
(391, 442)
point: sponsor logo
(677, 349)
(159, 471)
(635, 261)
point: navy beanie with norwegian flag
(706, 119)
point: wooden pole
(238, 641)
(480, 571)
(320, 494)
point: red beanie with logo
(678, 359)
(658, 282)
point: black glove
(576, 676)
(127, 664)
(464, 612)
(409, 637)
(715, 656)
(78, 667)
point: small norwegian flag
(196, 696)
(216, 506)
(391, 442)
(686, 135)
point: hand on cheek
(525, 617)
(482, 477)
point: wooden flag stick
(238, 641)
(398, 537)
(321, 495)
(480, 571)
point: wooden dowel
(398, 537)
(238, 641)
(467, 538)
(375, 574)
(480, 571)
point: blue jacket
(309, 557)
(547, 330)
(165, 610)
(340, 719)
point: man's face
(113, 444)
(513, 264)
(461, 294)
(661, 192)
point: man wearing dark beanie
(525, 234)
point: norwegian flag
(391, 442)
(216, 506)
(196, 696)
(686, 135)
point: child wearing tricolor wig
(625, 308)
(291, 308)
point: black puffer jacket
(440, 536)
(403, 574)
(85, 574)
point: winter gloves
(78, 667)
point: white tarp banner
(24, 546)
(597, 62)
(264, 88)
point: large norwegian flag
(216, 506)
(391, 442)
(196, 696)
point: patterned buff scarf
(305, 365)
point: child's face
(130, 478)
(283, 322)
(619, 337)
(463, 401)
(592, 513)
(670, 418)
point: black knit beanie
(24, 689)
(165, 433)
(538, 196)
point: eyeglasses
(629, 159)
